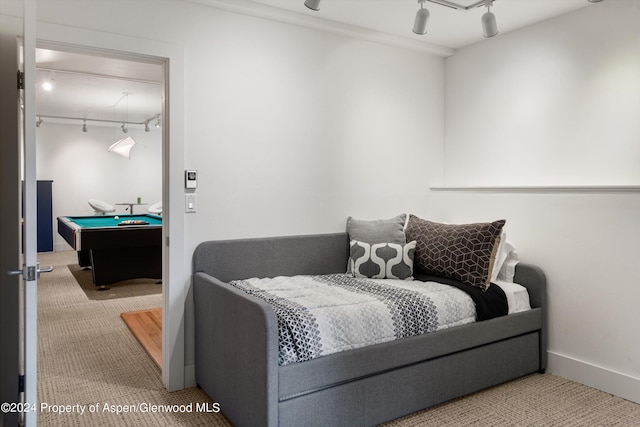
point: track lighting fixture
(312, 4)
(124, 144)
(125, 124)
(489, 26)
(422, 16)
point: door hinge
(20, 80)
(20, 383)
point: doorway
(87, 101)
(177, 371)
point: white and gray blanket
(321, 315)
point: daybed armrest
(533, 278)
(236, 351)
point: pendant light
(123, 147)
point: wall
(564, 94)
(557, 104)
(291, 129)
(305, 128)
(81, 168)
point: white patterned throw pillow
(382, 260)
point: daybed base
(237, 346)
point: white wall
(291, 130)
(564, 93)
(558, 103)
(81, 168)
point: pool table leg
(84, 258)
(110, 266)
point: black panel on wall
(45, 216)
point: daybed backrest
(273, 256)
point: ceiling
(99, 88)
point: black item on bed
(489, 304)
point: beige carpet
(124, 289)
(87, 356)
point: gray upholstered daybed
(236, 340)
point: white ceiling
(92, 87)
(96, 88)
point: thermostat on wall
(190, 179)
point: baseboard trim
(609, 381)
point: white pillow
(508, 269)
(499, 258)
(504, 265)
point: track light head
(489, 26)
(124, 128)
(84, 126)
(39, 122)
(312, 4)
(146, 126)
(422, 16)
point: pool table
(116, 247)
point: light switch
(191, 203)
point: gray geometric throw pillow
(382, 260)
(376, 231)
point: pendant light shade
(420, 23)
(489, 26)
(312, 4)
(123, 147)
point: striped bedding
(322, 315)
